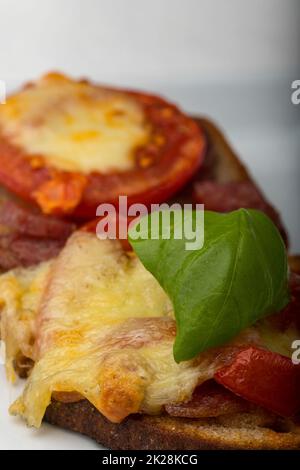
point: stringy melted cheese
(75, 126)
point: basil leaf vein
(239, 276)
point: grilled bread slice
(230, 432)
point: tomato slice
(160, 162)
(264, 378)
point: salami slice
(26, 251)
(21, 220)
(227, 197)
(27, 238)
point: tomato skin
(264, 378)
(162, 167)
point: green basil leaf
(239, 275)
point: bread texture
(140, 432)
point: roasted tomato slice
(264, 378)
(71, 145)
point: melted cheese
(75, 126)
(103, 329)
(20, 294)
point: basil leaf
(239, 276)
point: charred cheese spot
(123, 380)
(75, 126)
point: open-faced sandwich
(142, 344)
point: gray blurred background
(232, 60)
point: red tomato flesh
(264, 378)
(163, 165)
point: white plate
(264, 127)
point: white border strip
(2, 92)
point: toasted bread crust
(164, 433)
